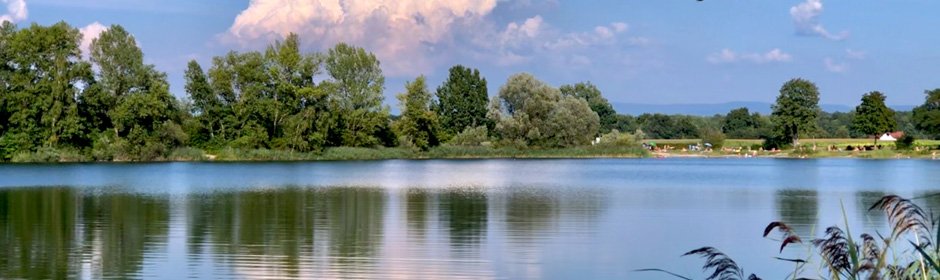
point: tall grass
(910, 251)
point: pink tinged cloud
(397, 31)
(89, 34)
(15, 11)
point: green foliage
(462, 100)
(531, 113)
(471, 136)
(418, 125)
(741, 124)
(590, 93)
(905, 143)
(661, 126)
(796, 110)
(619, 139)
(926, 117)
(714, 137)
(873, 117)
(355, 89)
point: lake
(432, 219)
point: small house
(891, 136)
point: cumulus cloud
(730, 56)
(806, 18)
(390, 28)
(835, 67)
(414, 36)
(15, 11)
(89, 34)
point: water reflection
(601, 220)
(870, 218)
(37, 230)
(465, 212)
(799, 209)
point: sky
(636, 51)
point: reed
(843, 257)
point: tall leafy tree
(927, 116)
(42, 81)
(355, 86)
(418, 124)
(462, 100)
(144, 116)
(796, 109)
(873, 117)
(590, 93)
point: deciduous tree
(873, 117)
(796, 109)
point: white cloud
(411, 37)
(729, 56)
(806, 18)
(833, 66)
(89, 34)
(855, 54)
(398, 31)
(15, 11)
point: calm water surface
(435, 219)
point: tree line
(57, 105)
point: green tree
(144, 115)
(873, 117)
(927, 116)
(418, 124)
(42, 77)
(599, 104)
(462, 100)
(205, 104)
(796, 110)
(529, 112)
(742, 124)
(355, 86)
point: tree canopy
(590, 93)
(461, 100)
(532, 113)
(927, 116)
(796, 110)
(873, 117)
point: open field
(839, 142)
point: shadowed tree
(927, 116)
(461, 100)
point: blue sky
(649, 51)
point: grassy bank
(351, 153)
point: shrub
(905, 143)
(714, 137)
(617, 138)
(471, 136)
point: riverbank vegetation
(283, 103)
(909, 251)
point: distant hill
(719, 108)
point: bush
(714, 137)
(616, 138)
(471, 136)
(905, 143)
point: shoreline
(377, 155)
